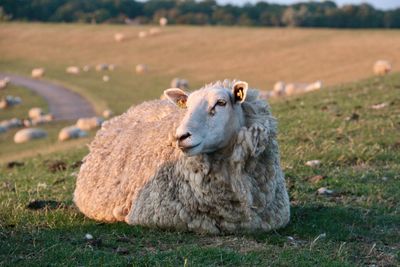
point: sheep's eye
(221, 102)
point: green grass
(358, 226)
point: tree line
(206, 12)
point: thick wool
(135, 173)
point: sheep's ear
(239, 91)
(176, 96)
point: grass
(359, 225)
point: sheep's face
(214, 115)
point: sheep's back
(124, 155)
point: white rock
(324, 191)
(313, 163)
(379, 106)
(88, 237)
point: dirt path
(63, 103)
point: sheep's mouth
(188, 148)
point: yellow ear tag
(181, 103)
(239, 94)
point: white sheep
(4, 82)
(279, 88)
(141, 68)
(300, 88)
(382, 67)
(11, 123)
(101, 67)
(37, 72)
(217, 172)
(163, 21)
(72, 70)
(71, 132)
(142, 34)
(3, 129)
(42, 119)
(29, 134)
(107, 114)
(154, 31)
(180, 83)
(86, 124)
(35, 112)
(9, 101)
(119, 37)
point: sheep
(298, 88)
(9, 101)
(72, 70)
(154, 31)
(163, 22)
(35, 112)
(119, 37)
(279, 88)
(217, 172)
(29, 134)
(100, 67)
(3, 129)
(71, 132)
(37, 72)
(12, 123)
(89, 123)
(4, 82)
(42, 119)
(382, 67)
(180, 83)
(107, 114)
(142, 34)
(106, 78)
(141, 68)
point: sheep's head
(213, 116)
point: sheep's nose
(184, 136)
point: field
(200, 54)
(359, 147)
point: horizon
(384, 4)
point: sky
(380, 4)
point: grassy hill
(261, 56)
(359, 149)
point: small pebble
(313, 163)
(324, 191)
(379, 106)
(88, 237)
